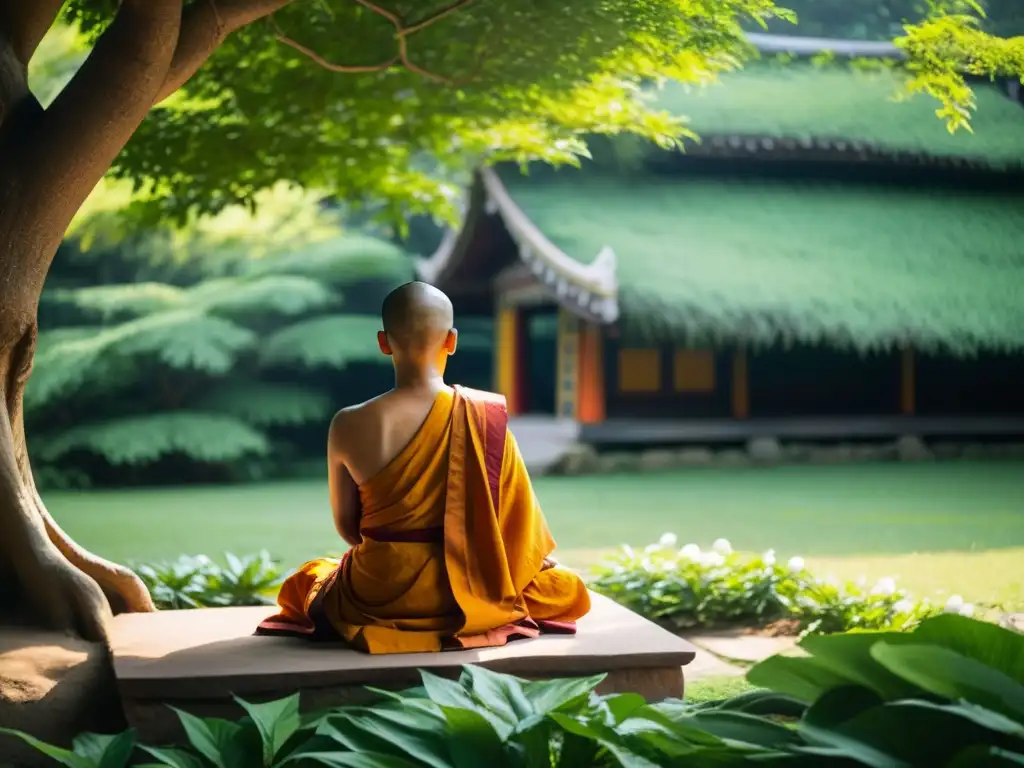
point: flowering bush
(690, 587)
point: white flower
(712, 559)
(690, 552)
(795, 564)
(885, 586)
(967, 609)
(954, 604)
(768, 558)
(903, 606)
(667, 540)
(722, 547)
(652, 548)
(628, 551)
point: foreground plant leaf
(990, 644)
(276, 722)
(172, 758)
(948, 674)
(107, 751)
(222, 742)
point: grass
(941, 527)
(715, 688)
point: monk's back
(382, 428)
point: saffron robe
(453, 541)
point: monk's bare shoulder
(355, 420)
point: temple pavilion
(826, 262)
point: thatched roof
(840, 104)
(764, 262)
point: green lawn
(915, 521)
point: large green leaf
(992, 645)
(219, 741)
(844, 744)
(752, 703)
(106, 750)
(946, 673)
(849, 655)
(331, 341)
(606, 737)
(986, 718)
(473, 739)
(63, 756)
(551, 695)
(351, 760)
(501, 694)
(204, 437)
(918, 733)
(411, 733)
(266, 404)
(276, 721)
(173, 758)
(747, 729)
(803, 678)
(837, 706)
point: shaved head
(417, 316)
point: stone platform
(197, 659)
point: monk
(449, 547)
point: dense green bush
(198, 582)
(221, 374)
(951, 693)
(687, 587)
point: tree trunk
(57, 584)
(49, 163)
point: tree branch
(204, 26)
(25, 24)
(402, 34)
(90, 121)
(435, 17)
(329, 65)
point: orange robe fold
(453, 544)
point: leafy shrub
(207, 379)
(950, 693)
(198, 582)
(687, 588)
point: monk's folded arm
(344, 493)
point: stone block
(912, 448)
(657, 460)
(579, 459)
(694, 457)
(197, 659)
(765, 450)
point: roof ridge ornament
(587, 289)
